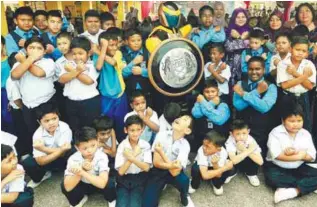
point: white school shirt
(231, 144)
(203, 160)
(62, 135)
(108, 142)
(91, 37)
(226, 74)
(99, 164)
(15, 186)
(77, 91)
(279, 140)
(60, 63)
(277, 56)
(13, 92)
(164, 125)
(9, 139)
(147, 132)
(283, 76)
(145, 156)
(174, 150)
(36, 90)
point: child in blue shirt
(136, 57)
(16, 39)
(40, 21)
(210, 112)
(114, 101)
(256, 49)
(55, 21)
(253, 99)
(207, 32)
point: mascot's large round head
(169, 14)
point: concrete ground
(238, 193)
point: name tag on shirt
(210, 125)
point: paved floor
(238, 193)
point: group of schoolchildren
(83, 105)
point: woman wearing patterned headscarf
(275, 27)
(237, 35)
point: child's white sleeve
(230, 145)
(183, 155)
(147, 154)
(103, 163)
(37, 153)
(119, 160)
(274, 146)
(226, 73)
(282, 75)
(312, 78)
(17, 185)
(206, 71)
(272, 66)
(13, 90)
(93, 74)
(71, 162)
(154, 118)
(311, 150)
(48, 65)
(66, 136)
(201, 159)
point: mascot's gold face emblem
(178, 67)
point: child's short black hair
(24, 10)
(5, 151)
(44, 109)
(135, 94)
(132, 31)
(210, 84)
(103, 123)
(172, 111)
(257, 59)
(35, 39)
(300, 30)
(92, 13)
(216, 138)
(219, 46)
(299, 40)
(311, 8)
(66, 35)
(40, 12)
(284, 34)
(3, 41)
(117, 31)
(85, 134)
(108, 35)
(54, 13)
(238, 124)
(257, 33)
(206, 7)
(81, 42)
(134, 119)
(106, 16)
(291, 108)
